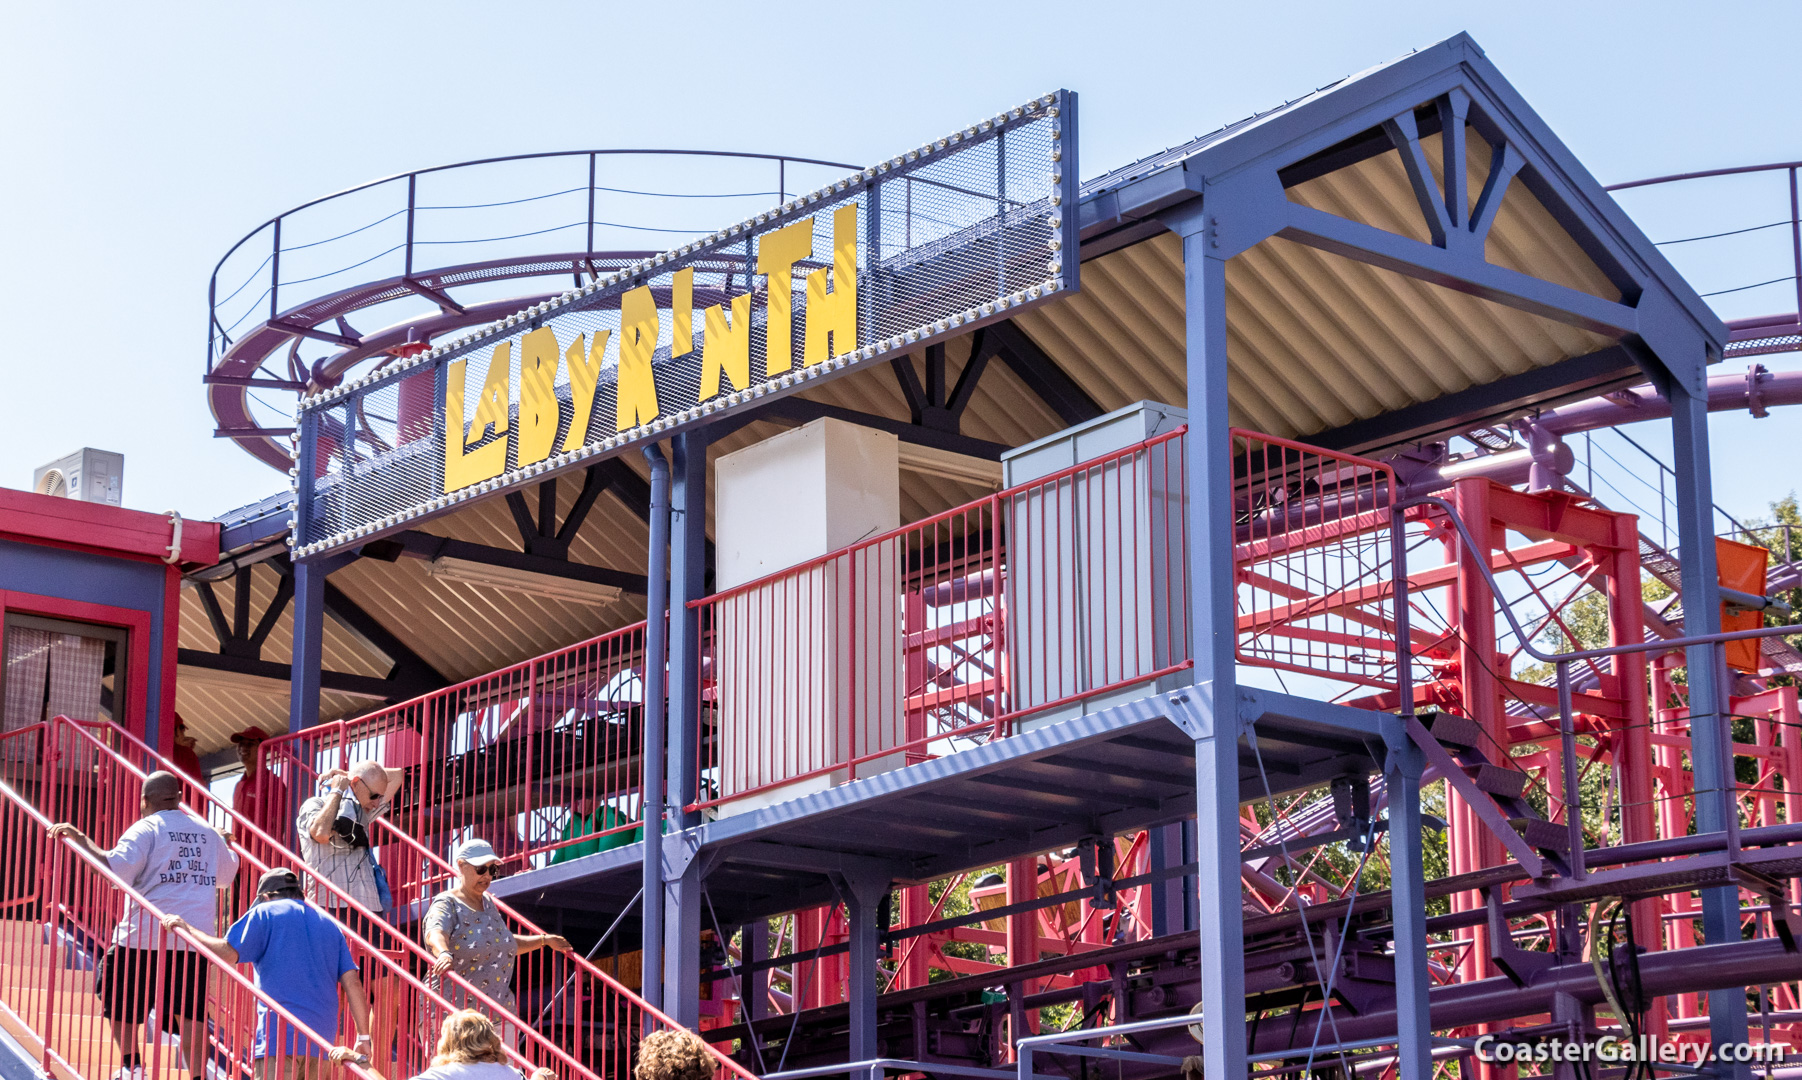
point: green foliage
(959, 903)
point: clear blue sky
(143, 140)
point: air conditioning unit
(1096, 598)
(88, 475)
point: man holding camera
(336, 844)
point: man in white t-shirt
(180, 865)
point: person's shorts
(125, 982)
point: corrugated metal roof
(1315, 341)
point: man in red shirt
(185, 756)
(261, 796)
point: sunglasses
(491, 870)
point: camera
(347, 826)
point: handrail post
(1795, 234)
(52, 927)
(1404, 646)
(1725, 676)
(275, 269)
(1567, 738)
(212, 317)
(412, 192)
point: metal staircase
(593, 1029)
(1496, 792)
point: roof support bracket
(1405, 134)
(236, 637)
(1459, 271)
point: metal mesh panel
(959, 232)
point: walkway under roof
(1331, 347)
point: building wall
(47, 580)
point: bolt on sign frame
(962, 231)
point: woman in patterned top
(468, 935)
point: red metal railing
(1314, 561)
(536, 758)
(586, 1007)
(1026, 605)
(571, 1017)
(58, 910)
(902, 647)
(407, 1010)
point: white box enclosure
(808, 660)
(1096, 586)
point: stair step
(1542, 834)
(37, 976)
(1498, 779)
(1456, 732)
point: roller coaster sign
(927, 245)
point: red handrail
(882, 676)
(46, 873)
(390, 831)
(943, 516)
(432, 720)
(378, 954)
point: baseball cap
(475, 853)
(252, 734)
(276, 879)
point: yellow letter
(492, 406)
(637, 386)
(682, 311)
(777, 254)
(584, 375)
(726, 348)
(463, 469)
(834, 312)
(537, 395)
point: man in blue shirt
(301, 958)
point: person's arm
(320, 828)
(359, 1007)
(80, 839)
(526, 943)
(392, 789)
(228, 863)
(217, 946)
(437, 935)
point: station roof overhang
(1352, 323)
(1365, 309)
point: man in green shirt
(588, 827)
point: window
(52, 667)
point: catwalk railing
(537, 758)
(1049, 598)
(1314, 557)
(59, 907)
(571, 1017)
(948, 632)
(1721, 756)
